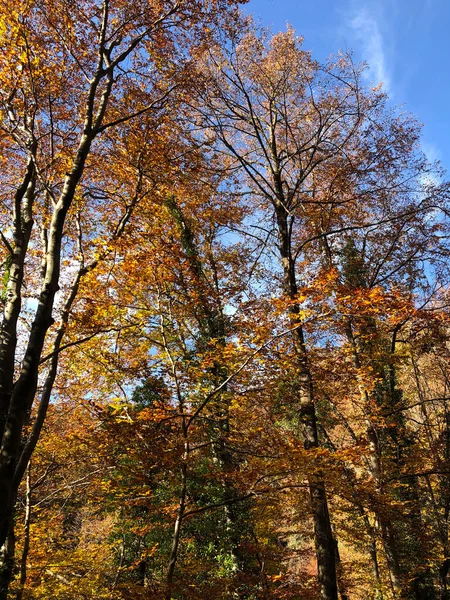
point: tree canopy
(224, 347)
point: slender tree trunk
(373, 553)
(7, 556)
(342, 584)
(22, 227)
(119, 566)
(177, 527)
(443, 572)
(323, 535)
(374, 462)
(26, 538)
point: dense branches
(225, 316)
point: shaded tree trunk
(7, 557)
(323, 535)
(26, 538)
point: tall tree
(315, 149)
(71, 76)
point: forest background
(224, 348)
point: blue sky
(406, 44)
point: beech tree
(313, 146)
(71, 76)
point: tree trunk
(177, 527)
(342, 584)
(7, 556)
(26, 538)
(323, 535)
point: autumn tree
(321, 157)
(71, 76)
(252, 324)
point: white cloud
(430, 150)
(367, 32)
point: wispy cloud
(430, 150)
(366, 31)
